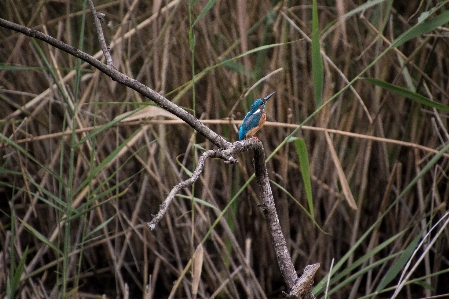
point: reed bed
(79, 181)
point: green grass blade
(320, 286)
(187, 171)
(292, 197)
(105, 162)
(62, 207)
(317, 62)
(181, 90)
(199, 200)
(399, 264)
(7, 67)
(41, 237)
(28, 155)
(18, 273)
(99, 227)
(54, 76)
(100, 202)
(365, 257)
(301, 151)
(106, 126)
(85, 207)
(356, 11)
(408, 94)
(361, 272)
(206, 8)
(421, 28)
(238, 68)
(298, 203)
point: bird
(254, 119)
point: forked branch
(196, 174)
(298, 287)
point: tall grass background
(78, 179)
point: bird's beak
(267, 97)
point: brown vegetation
(74, 205)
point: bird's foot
(254, 137)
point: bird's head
(259, 104)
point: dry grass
(77, 204)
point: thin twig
(104, 46)
(225, 122)
(196, 174)
(123, 79)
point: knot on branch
(303, 285)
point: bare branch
(277, 237)
(196, 174)
(233, 148)
(299, 287)
(303, 285)
(125, 80)
(104, 47)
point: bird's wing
(253, 120)
(244, 126)
(249, 122)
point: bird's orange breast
(253, 131)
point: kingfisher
(254, 119)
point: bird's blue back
(251, 120)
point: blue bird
(254, 119)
